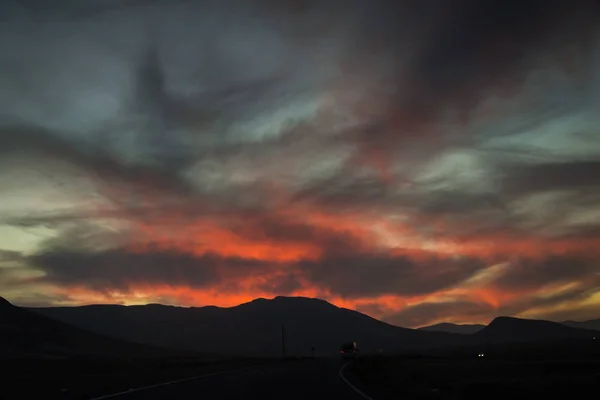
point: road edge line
(139, 389)
(357, 390)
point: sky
(418, 161)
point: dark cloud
(82, 255)
(9, 255)
(550, 303)
(354, 115)
(584, 313)
(121, 269)
(352, 276)
(279, 229)
(456, 203)
(578, 274)
(580, 175)
(368, 275)
(287, 282)
(531, 273)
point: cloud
(580, 175)
(527, 273)
(368, 275)
(378, 154)
(337, 260)
(9, 256)
(118, 269)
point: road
(302, 379)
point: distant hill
(26, 333)
(593, 324)
(515, 330)
(253, 328)
(453, 328)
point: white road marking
(351, 385)
(109, 396)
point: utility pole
(283, 340)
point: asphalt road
(302, 379)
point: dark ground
(379, 377)
(235, 379)
(476, 378)
(88, 378)
(294, 380)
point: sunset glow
(418, 172)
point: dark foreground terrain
(375, 378)
(476, 378)
(241, 379)
(44, 358)
(81, 378)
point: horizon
(291, 297)
(418, 162)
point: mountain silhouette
(516, 330)
(464, 329)
(593, 324)
(256, 328)
(253, 328)
(26, 333)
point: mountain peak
(300, 299)
(288, 300)
(504, 321)
(510, 323)
(453, 328)
(506, 329)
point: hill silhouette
(593, 324)
(26, 333)
(516, 330)
(253, 328)
(464, 329)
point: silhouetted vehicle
(349, 350)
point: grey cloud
(33, 298)
(467, 52)
(169, 129)
(149, 128)
(344, 189)
(99, 165)
(363, 274)
(526, 275)
(529, 273)
(583, 313)
(268, 228)
(455, 202)
(281, 283)
(10, 255)
(570, 175)
(121, 270)
(551, 301)
(350, 277)
(210, 63)
(138, 94)
(89, 255)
